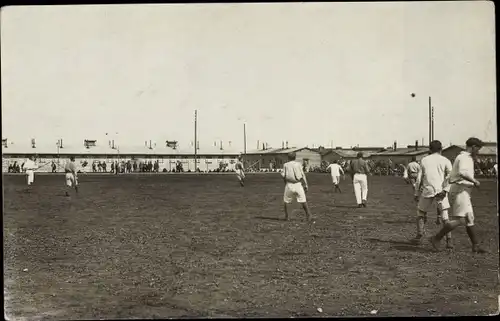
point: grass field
(146, 246)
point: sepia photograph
(249, 160)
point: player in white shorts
(462, 182)
(335, 170)
(30, 167)
(412, 171)
(71, 175)
(431, 187)
(295, 186)
(240, 172)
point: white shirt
(413, 168)
(335, 169)
(29, 165)
(292, 172)
(463, 164)
(433, 176)
(495, 168)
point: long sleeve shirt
(335, 169)
(359, 166)
(433, 176)
(70, 167)
(29, 165)
(464, 164)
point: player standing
(335, 170)
(71, 175)
(462, 182)
(359, 169)
(295, 185)
(240, 171)
(431, 187)
(30, 167)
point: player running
(462, 182)
(295, 185)
(335, 170)
(431, 187)
(71, 175)
(30, 167)
(240, 171)
(413, 170)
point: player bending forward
(462, 182)
(240, 172)
(295, 185)
(431, 188)
(71, 175)
(335, 170)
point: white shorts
(427, 204)
(461, 205)
(31, 176)
(294, 191)
(71, 180)
(335, 179)
(240, 174)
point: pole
(430, 121)
(244, 141)
(195, 139)
(58, 146)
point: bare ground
(157, 246)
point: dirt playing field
(146, 246)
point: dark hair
(435, 146)
(72, 158)
(360, 155)
(414, 158)
(335, 161)
(473, 141)
(292, 156)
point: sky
(331, 74)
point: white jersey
(293, 172)
(29, 165)
(335, 169)
(464, 164)
(433, 175)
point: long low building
(208, 159)
(274, 158)
(401, 155)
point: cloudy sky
(306, 73)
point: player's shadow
(404, 246)
(399, 222)
(281, 219)
(345, 206)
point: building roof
(104, 149)
(403, 152)
(350, 153)
(276, 151)
(489, 149)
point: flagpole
(195, 140)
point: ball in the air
(412, 94)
